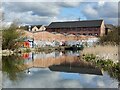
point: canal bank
(41, 49)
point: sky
(39, 77)
(39, 12)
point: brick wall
(80, 31)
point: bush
(89, 57)
(10, 37)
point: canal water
(53, 70)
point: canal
(53, 70)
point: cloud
(46, 12)
(68, 4)
(101, 3)
(90, 12)
(35, 12)
(40, 9)
(102, 10)
(44, 78)
(109, 10)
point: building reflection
(60, 61)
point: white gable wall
(35, 29)
(42, 28)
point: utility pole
(79, 19)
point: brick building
(87, 27)
(109, 28)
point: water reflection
(11, 65)
(60, 61)
(55, 69)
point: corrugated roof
(68, 24)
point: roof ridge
(77, 21)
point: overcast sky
(47, 12)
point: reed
(105, 52)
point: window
(84, 33)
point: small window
(35, 30)
(84, 33)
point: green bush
(10, 37)
(89, 57)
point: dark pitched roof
(109, 26)
(45, 26)
(86, 23)
(38, 26)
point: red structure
(26, 44)
(88, 27)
